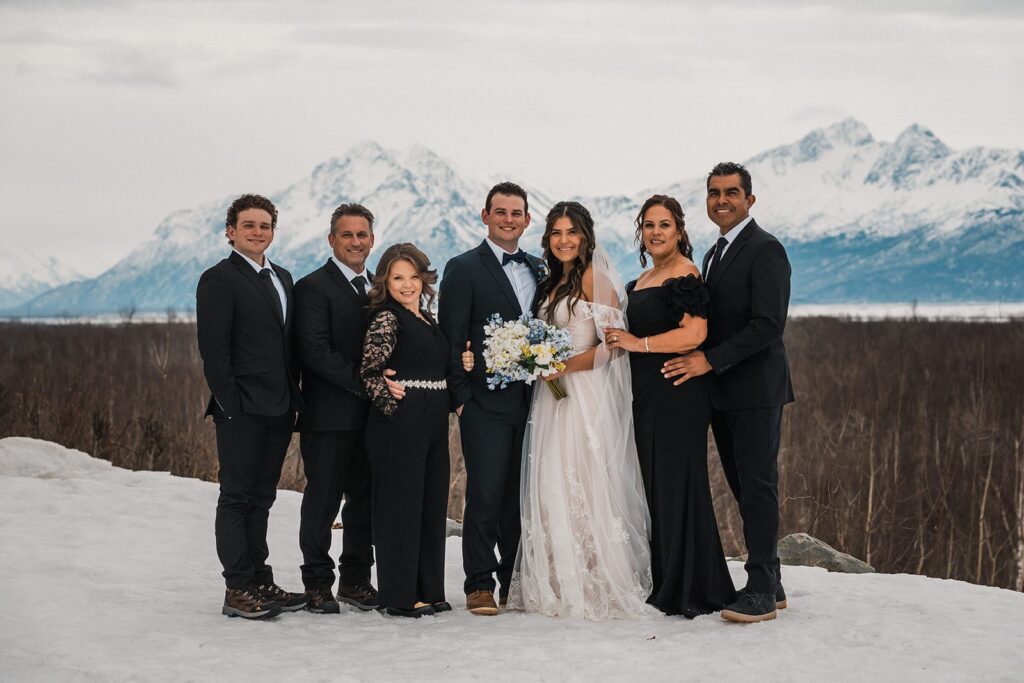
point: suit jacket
(248, 359)
(749, 303)
(473, 288)
(330, 323)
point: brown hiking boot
(242, 603)
(482, 603)
(361, 595)
(271, 592)
(321, 601)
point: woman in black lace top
(667, 313)
(407, 439)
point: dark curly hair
(405, 251)
(351, 210)
(732, 168)
(250, 201)
(510, 189)
(672, 204)
(572, 289)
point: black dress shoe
(361, 595)
(321, 601)
(443, 606)
(289, 602)
(414, 612)
(751, 607)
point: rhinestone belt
(439, 384)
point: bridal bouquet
(523, 350)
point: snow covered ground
(107, 574)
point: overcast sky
(113, 114)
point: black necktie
(274, 296)
(518, 257)
(720, 246)
(359, 282)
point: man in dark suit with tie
(244, 328)
(495, 277)
(330, 323)
(748, 275)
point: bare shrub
(904, 447)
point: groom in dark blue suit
(495, 277)
(748, 275)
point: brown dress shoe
(242, 603)
(502, 601)
(482, 603)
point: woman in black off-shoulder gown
(667, 303)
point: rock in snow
(109, 574)
(806, 551)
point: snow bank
(112, 575)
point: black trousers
(492, 446)
(251, 450)
(409, 481)
(748, 445)
(335, 464)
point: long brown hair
(672, 204)
(404, 251)
(572, 289)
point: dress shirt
(273, 278)
(519, 274)
(352, 275)
(734, 233)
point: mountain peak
(846, 133)
(914, 150)
(365, 149)
(849, 131)
(922, 138)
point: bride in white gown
(584, 550)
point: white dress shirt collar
(736, 230)
(348, 272)
(499, 251)
(257, 267)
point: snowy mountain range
(863, 221)
(25, 275)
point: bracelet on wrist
(647, 348)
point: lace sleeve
(381, 336)
(687, 295)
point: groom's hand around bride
(693, 364)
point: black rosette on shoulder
(687, 295)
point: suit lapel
(250, 274)
(492, 266)
(707, 260)
(287, 285)
(332, 269)
(731, 253)
(540, 271)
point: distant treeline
(903, 449)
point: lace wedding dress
(584, 550)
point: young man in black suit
(495, 277)
(244, 322)
(330, 323)
(748, 275)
